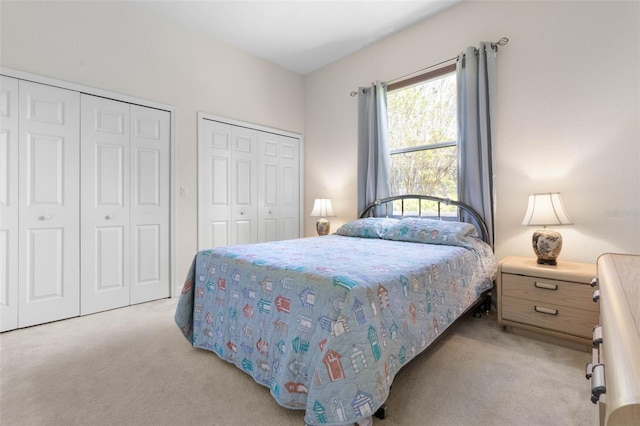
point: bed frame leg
(484, 307)
(382, 412)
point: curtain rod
(494, 45)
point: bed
(327, 322)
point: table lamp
(322, 208)
(546, 210)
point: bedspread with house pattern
(327, 322)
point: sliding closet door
(49, 287)
(125, 204)
(268, 184)
(278, 187)
(248, 184)
(105, 204)
(9, 218)
(227, 175)
(244, 186)
(289, 188)
(214, 177)
(150, 203)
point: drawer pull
(546, 286)
(546, 310)
(596, 295)
(594, 282)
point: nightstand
(553, 303)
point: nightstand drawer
(564, 319)
(545, 290)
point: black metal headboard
(386, 205)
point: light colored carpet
(131, 366)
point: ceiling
(300, 35)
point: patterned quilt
(327, 322)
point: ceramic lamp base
(323, 226)
(547, 245)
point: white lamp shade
(322, 208)
(546, 210)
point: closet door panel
(105, 230)
(268, 181)
(214, 190)
(150, 199)
(44, 264)
(110, 246)
(243, 186)
(49, 286)
(218, 201)
(289, 188)
(9, 217)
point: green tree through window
(423, 135)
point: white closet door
(244, 185)
(9, 218)
(105, 231)
(289, 188)
(278, 187)
(268, 180)
(248, 184)
(150, 203)
(49, 287)
(214, 189)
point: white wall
(567, 115)
(119, 47)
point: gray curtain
(476, 76)
(374, 164)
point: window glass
(423, 137)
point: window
(423, 135)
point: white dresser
(615, 368)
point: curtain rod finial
(503, 41)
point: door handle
(44, 217)
(109, 216)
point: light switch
(184, 191)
